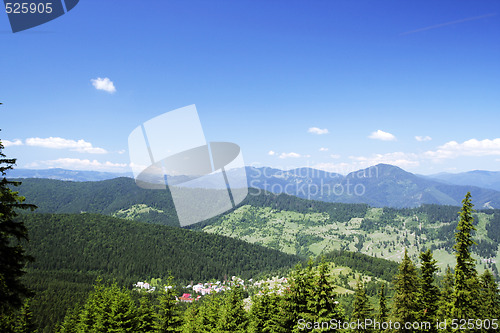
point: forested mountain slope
(72, 250)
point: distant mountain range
(481, 178)
(382, 185)
(63, 174)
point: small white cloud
(318, 131)
(323, 149)
(292, 155)
(271, 153)
(335, 156)
(104, 84)
(122, 151)
(80, 164)
(381, 135)
(423, 138)
(81, 146)
(8, 143)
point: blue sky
(336, 85)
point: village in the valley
(197, 291)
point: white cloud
(80, 164)
(318, 131)
(104, 84)
(381, 135)
(335, 156)
(292, 155)
(401, 159)
(472, 147)
(423, 138)
(323, 149)
(8, 143)
(271, 153)
(81, 146)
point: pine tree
(70, 321)
(490, 297)
(123, 315)
(429, 292)
(233, 317)
(209, 313)
(297, 296)
(25, 322)
(465, 296)
(383, 310)
(146, 316)
(12, 254)
(322, 305)
(168, 319)
(406, 285)
(362, 309)
(108, 309)
(190, 321)
(445, 301)
(267, 312)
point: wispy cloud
(104, 84)
(80, 164)
(318, 131)
(423, 138)
(381, 135)
(448, 23)
(81, 146)
(323, 149)
(291, 155)
(8, 143)
(271, 153)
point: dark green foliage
(122, 248)
(146, 316)
(339, 212)
(103, 197)
(72, 250)
(438, 213)
(493, 228)
(168, 318)
(208, 314)
(267, 312)
(429, 292)
(406, 285)
(108, 309)
(233, 317)
(362, 309)
(12, 233)
(365, 264)
(466, 291)
(489, 296)
(383, 310)
(446, 302)
(298, 295)
(322, 304)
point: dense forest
(72, 250)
